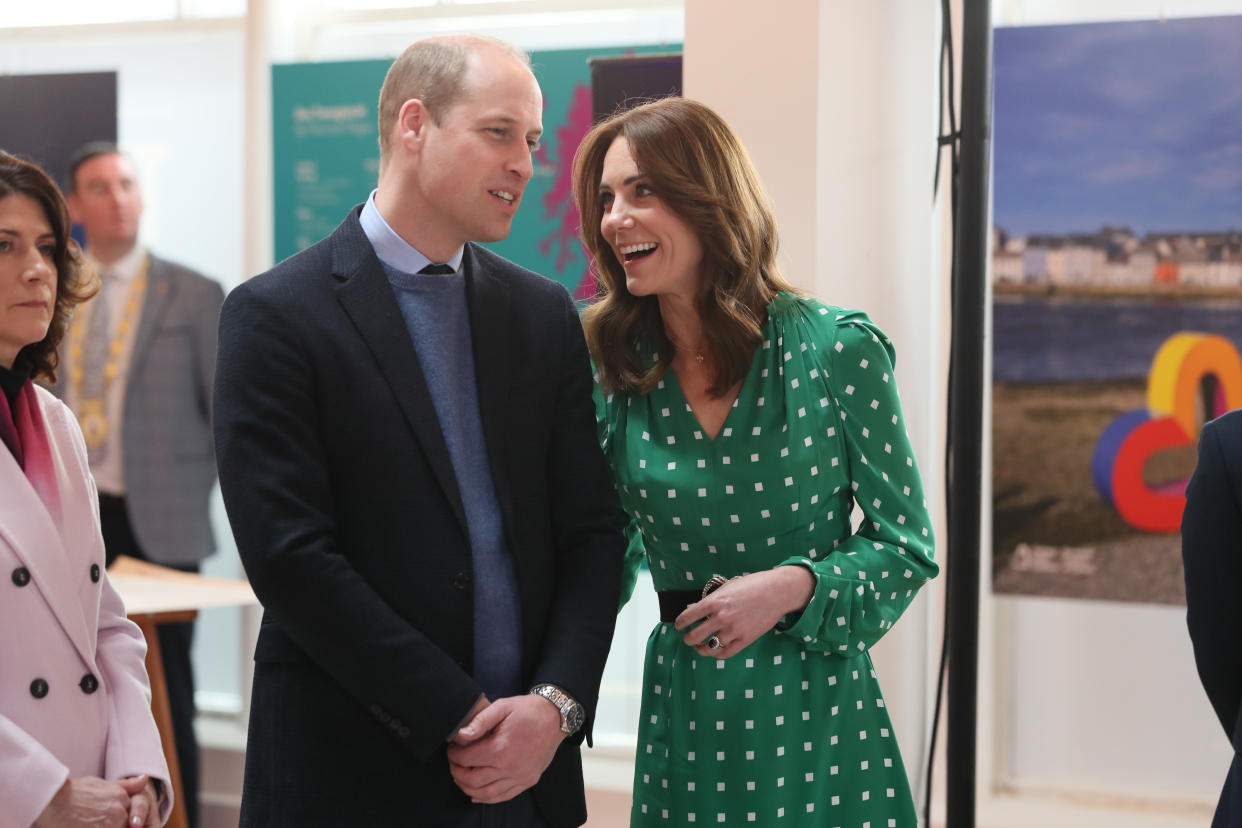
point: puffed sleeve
(634, 550)
(864, 585)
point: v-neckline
(733, 406)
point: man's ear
(412, 122)
(75, 207)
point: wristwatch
(572, 714)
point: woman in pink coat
(78, 744)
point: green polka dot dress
(792, 730)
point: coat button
(461, 580)
(21, 576)
(38, 688)
(89, 684)
(94, 573)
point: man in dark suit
(407, 452)
(1212, 554)
(137, 368)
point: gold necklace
(698, 352)
(93, 412)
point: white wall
(345, 37)
(179, 115)
(763, 78)
(1124, 714)
(1052, 12)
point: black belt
(674, 601)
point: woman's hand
(87, 801)
(144, 803)
(745, 608)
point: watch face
(574, 717)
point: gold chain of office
(93, 412)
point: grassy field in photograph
(1053, 533)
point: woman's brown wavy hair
(75, 281)
(701, 171)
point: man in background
(136, 368)
(1212, 554)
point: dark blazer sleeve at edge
(1212, 556)
(274, 478)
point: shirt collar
(124, 268)
(393, 250)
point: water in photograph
(1058, 339)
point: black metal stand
(972, 226)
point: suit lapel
(160, 291)
(489, 304)
(369, 302)
(28, 528)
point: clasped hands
(745, 608)
(103, 803)
(504, 747)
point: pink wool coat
(74, 694)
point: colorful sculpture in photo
(1170, 419)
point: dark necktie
(438, 270)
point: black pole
(966, 358)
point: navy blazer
(349, 522)
(1212, 555)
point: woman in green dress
(743, 424)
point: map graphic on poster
(326, 156)
(1117, 282)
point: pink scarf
(26, 435)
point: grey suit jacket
(169, 463)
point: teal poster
(326, 156)
(325, 150)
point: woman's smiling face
(660, 252)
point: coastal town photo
(1117, 295)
